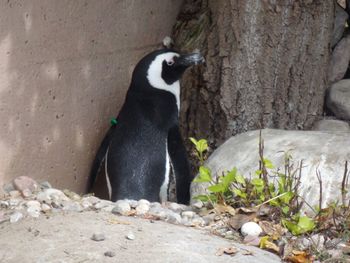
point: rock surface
(66, 237)
(325, 151)
(339, 60)
(338, 99)
(331, 125)
(339, 24)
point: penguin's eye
(170, 62)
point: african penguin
(145, 144)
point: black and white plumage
(145, 144)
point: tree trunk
(266, 64)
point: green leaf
(216, 188)
(240, 193)
(268, 164)
(285, 210)
(202, 145)
(286, 197)
(274, 202)
(258, 172)
(257, 182)
(229, 178)
(292, 227)
(194, 141)
(204, 175)
(203, 198)
(306, 223)
(240, 179)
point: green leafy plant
(268, 185)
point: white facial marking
(154, 75)
(163, 193)
(107, 178)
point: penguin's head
(163, 68)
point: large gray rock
(339, 24)
(325, 151)
(340, 60)
(338, 99)
(331, 125)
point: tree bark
(266, 65)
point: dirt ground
(66, 237)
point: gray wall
(65, 66)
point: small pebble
(45, 207)
(132, 203)
(24, 182)
(91, 199)
(33, 203)
(143, 202)
(109, 254)
(103, 203)
(188, 214)
(15, 194)
(98, 237)
(198, 221)
(142, 208)
(14, 202)
(4, 204)
(198, 204)
(86, 204)
(15, 217)
(130, 236)
(175, 207)
(27, 193)
(71, 206)
(251, 229)
(173, 218)
(122, 207)
(45, 185)
(108, 208)
(34, 211)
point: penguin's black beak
(189, 60)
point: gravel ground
(100, 236)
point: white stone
(85, 204)
(91, 199)
(251, 229)
(33, 203)
(130, 236)
(108, 208)
(15, 217)
(197, 204)
(15, 194)
(45, 207)
(198, 221)
(51, 194)
(103, 203)
(175, 207)
(132, 203)
(14, 202)
(121, 207)
(142, 208)
(34, 211)
(188, 214)
(143, 201)
(173, 218)
(73, 206)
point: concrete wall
(65, 67)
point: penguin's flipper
(180, 165)
(99, 158)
